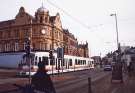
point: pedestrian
(41, 81)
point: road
(79, 82)
(75, 82)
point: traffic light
(51, 54)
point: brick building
(45, 33)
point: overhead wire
(78, 21)
(74, 18)
(89, 28)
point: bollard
(89, 85)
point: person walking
(41, 81)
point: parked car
(107, 67)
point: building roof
(7, 23)
(42, 9)
(130, 51)
(66, 31)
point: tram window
(32, 60)
(75, 61)
(39, 59)
(70, 62)
(81, 62)
(84, 62)
(63, 62)
(45, 60)
(78, 62)
(90, 62)
(54, 61)
(36, 58)
(51, 62)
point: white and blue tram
(24, 64)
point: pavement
(127, 87)
(105, 85)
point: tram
(28, 66)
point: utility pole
(117, 68)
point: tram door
(56, 63)
(66, 63)
(70, 63)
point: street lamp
(117, 68)
(28, 39)
(116, 29)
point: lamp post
(117, 68)
(116, 29)
(28, 49)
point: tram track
(79, 81)
(74, 85)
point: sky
(88, 20)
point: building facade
(44, 31)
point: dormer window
(41, 19)
(46, 19)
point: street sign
(60, 53)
